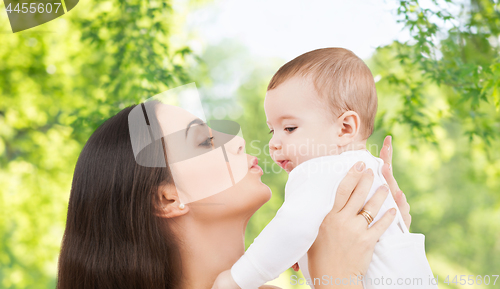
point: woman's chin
(250, 193)
(244, 197)
(256, 185)
(265, 193)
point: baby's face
(300, 123)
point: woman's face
(211, 171)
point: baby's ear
(349, 123)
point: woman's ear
(349, 123)
(169, 205)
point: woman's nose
(239, 145)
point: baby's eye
(290, 129)
(271, 131)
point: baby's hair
(341, 78)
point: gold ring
(367, 215)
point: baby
(320, 109)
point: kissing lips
(255, 166)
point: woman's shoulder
(269, 287)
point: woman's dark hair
(113, 238)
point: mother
(126, 227)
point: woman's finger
(404, 208)
(391, 181)
(402, 203)
(382, 224)
(386, 156)
(347, 185)
(375, 202)
(387, 172)
(358, 197)
(386, 151)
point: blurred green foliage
(438, 97)
(58, 82)
(466, 60)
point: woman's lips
(255, 166)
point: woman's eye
(271, 131)
(207, 142)
(290, 129)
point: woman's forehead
(173, 118)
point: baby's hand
(295, 267)
(225, 281)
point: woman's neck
(207, 249)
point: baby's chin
(289, 167)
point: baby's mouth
(283, 164)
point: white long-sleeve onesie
(309, 197)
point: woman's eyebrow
(194, 121)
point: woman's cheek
(238, 166)
(201, 177)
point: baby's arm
(290, 234)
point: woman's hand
(399, 196)
(344, 246)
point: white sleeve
(309, 197)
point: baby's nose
(273, 145)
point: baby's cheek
(302, 159)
